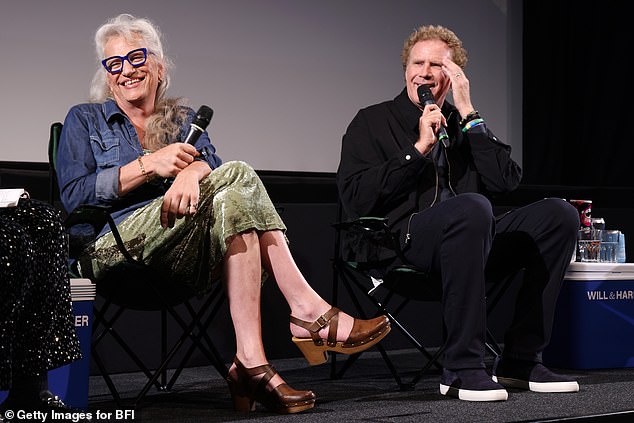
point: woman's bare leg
(243, 280)
(304, 302)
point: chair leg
(104, 325)
(432, 360)
(106, 377)
(493, 296)
(350, 360)
(187, 333)
(210, 352)
(382, 308)
(492, 345)
(98, 318)
(108, 324)
(163, 347)
(335, 300)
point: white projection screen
(284, 77)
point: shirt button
(407, 157)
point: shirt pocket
(106, 149)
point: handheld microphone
(199, 124)
(426, 97)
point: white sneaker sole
(471, 395)
(542, 387)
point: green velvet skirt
(232, 200)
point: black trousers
(460, 240)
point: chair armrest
(373, 230)
(94, 215)
(368, 223)
(98, 216)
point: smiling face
(132, 87)
(424, 66)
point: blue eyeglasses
(136, 58)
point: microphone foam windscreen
(203, 116)
(424, 94)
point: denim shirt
(96, 140)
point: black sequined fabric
(37, 330)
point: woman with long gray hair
(212, 221)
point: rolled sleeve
(107, 184)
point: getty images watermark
(68, 416)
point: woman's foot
(264, 385)
(234, 374)
(344, 324)
(338, 332)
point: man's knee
(561, 215)
(476, 209)
(470, 214)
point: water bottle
(620, 249)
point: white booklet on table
(9, 197)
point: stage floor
(368, 392)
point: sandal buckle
(321, 322)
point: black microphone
(198, 125)
(426, 97)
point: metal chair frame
(405, 282)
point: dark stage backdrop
(578, 111)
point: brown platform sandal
(364, 334)
(247, 388)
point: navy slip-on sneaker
(531, 376)
(471, 385)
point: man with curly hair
(429, 166)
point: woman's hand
(181, 199)
(428, 124)
(169, 161)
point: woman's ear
(160, 71)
